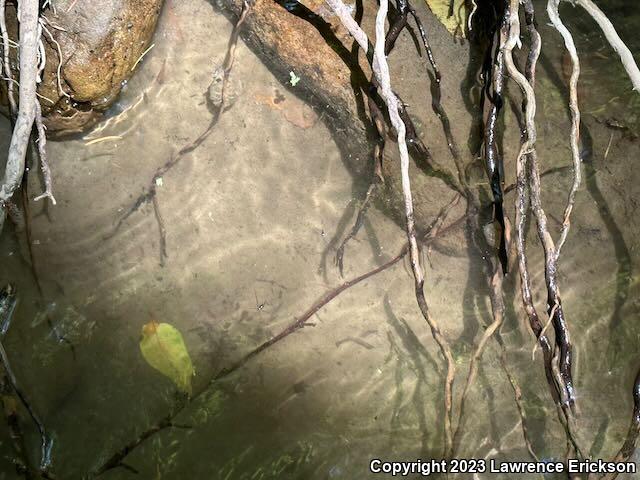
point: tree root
(552, 11)
(557, 355)
(28, 12)
(45, 442)
(381, 72)
(42, 157)
(528, 151)
(613, 38)
(404, 9)
(377, 179)
(517, 396)
(494, 86)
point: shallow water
(250, 216)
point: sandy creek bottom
(249, 217)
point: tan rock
(100, 42)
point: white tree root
(8, 74)
(614, 39)
(528, 149)
(28, 11)
(554, 16)
(44, 161)
(381, 71)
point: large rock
(100, 42)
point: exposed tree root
(528, 150)
(22, 462)
(28, 13)
(494, 86)
(6, 66)
(381, 72)
(42, 157)
(517, 396)
(552, 11)
(377, 179)
(558, 366)
(9, 388)
(554, 380)
(45, 443)
(404, 9)
(373, 186)
(614, 39)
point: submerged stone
(100, 43)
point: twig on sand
(162, 231)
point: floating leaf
(163, 348)
(456, 23)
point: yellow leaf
(456, 23)
(163, 348)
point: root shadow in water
(412, 355)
